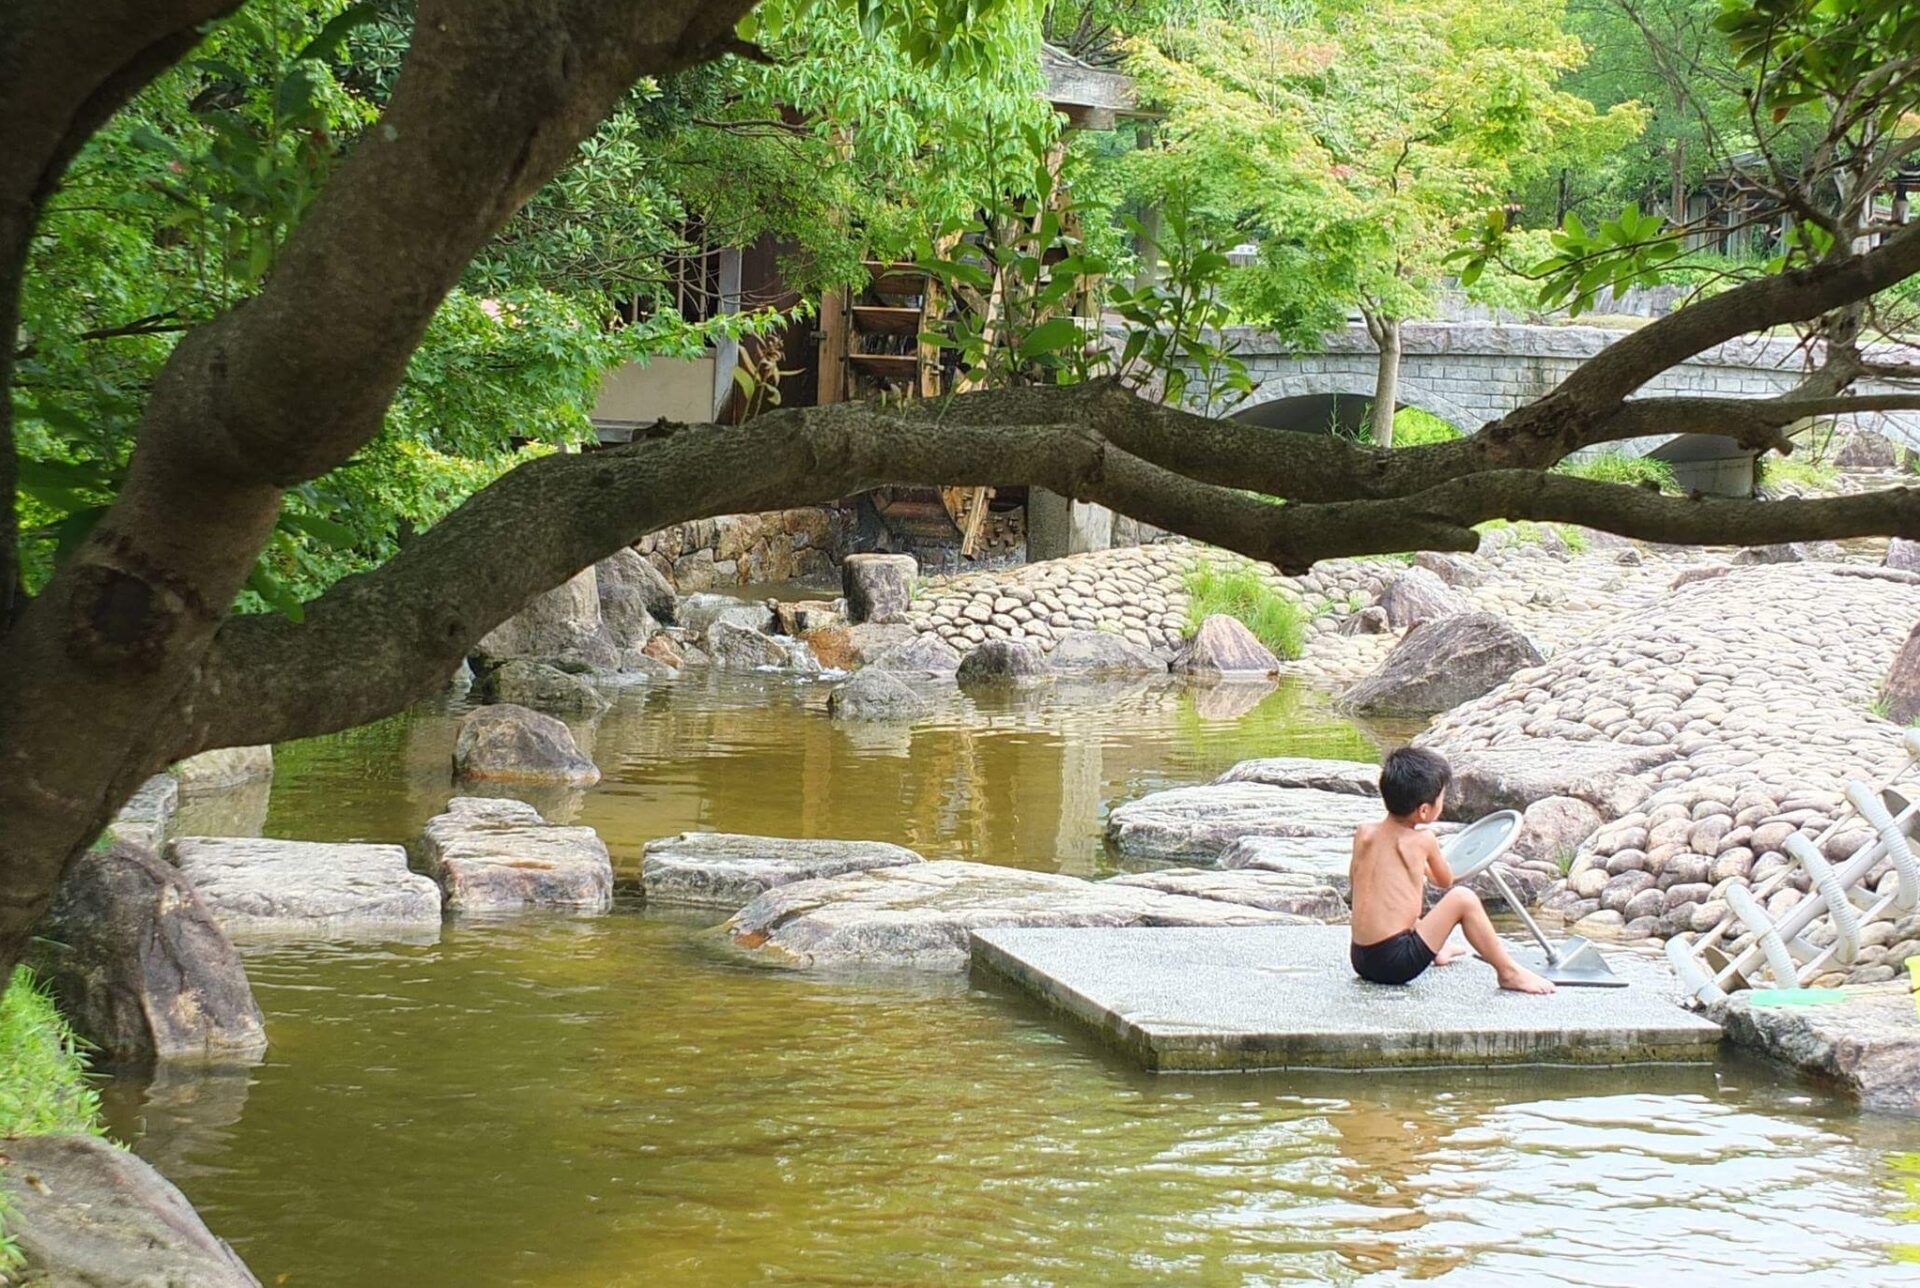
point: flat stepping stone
(1260, 997)
(493, 854)
(1327, 859)
(1351, 777)
(255, 886)
(918, 916)
(1297, 894)
(729, 870)
(1868, 1040)
(1195, 824)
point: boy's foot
(1448, 955)
(1524, 981)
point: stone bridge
(1470, 373)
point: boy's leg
(1461, 907)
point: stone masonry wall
(749, 549)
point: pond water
(549, 1101)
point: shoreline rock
(306, 888)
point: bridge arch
(1321, 402)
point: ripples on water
(549, 1101)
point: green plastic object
(1797, 996)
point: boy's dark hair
(1412, 777)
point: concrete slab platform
(1284, 997)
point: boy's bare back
(1391, 866)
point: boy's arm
(1437, 870)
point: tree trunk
(1386, 386)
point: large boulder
(1102, 653)
(1296, 894)
(1003, 664)
(490, 854)
(925, 654)
(1223, 646)
(1607, 775)
(869, 641)
(727, 870)
(139, 965)
(148, 813)
(877, 695)
(698, 613)
(527, 683)
(919, 915)
(1195, 824)
(88, 1215)
(264, 887)
(1443, 663)
(1865, 450)
(509, 743)
(1791, 552)
(1354, 777)
(1418, 595)
(1553, 828)
(564, 622)
(878, 587)
(1902, 689)
(223, 769)
(631, 589)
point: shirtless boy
(1392, 862)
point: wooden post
(833, 347)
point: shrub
(1276, 620)
(1415, 428)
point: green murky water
(551, 1101)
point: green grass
(1277, 621)
(1792, 469)
(1415, 428)
(43, 1078)
(1617, 467)
(1529, 533)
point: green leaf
(327, 41)
(1050, 337)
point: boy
(1392, 861)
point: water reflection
(553, 1101)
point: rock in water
(1902, 690)
(490, 854)
(1195, 824)
(634, 598)
(727, 870)
(1102, 652)
(1325, 860)
(919, 915)
(1296, 894)
(1015, 663)
(87, 1215)
(269, 887)
(524, 682)
(509, 743)
(140, 966)
(877, 695)
(1417, 596)
(878, 587)
(738, 649)
(922, 655)
(798, 617)
(1224, 646)
(564, 622)
(1441, 664)
(698, 613)
(224, 768)
(1867, 1042)
(1354, 777)
(144, 819)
